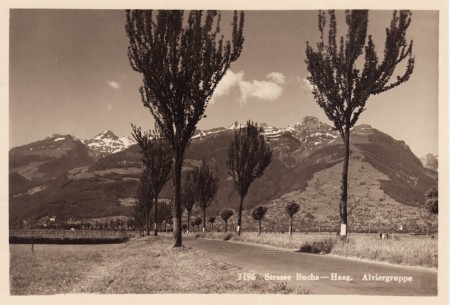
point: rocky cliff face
(430, 161)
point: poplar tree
(211, 220)
(144, 201)
(248, 157)
(165, 213)
(343, 81)
(157, 159)
(140, 213)
(225, 215)
(205, 184)
(292, 209)
(181, 62)
(188, 197)
(258, 214)
(197, 222)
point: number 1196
(247, 277)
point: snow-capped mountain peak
(199, 134)
(106, 134)
(127, 141)
(106, 143)
(312, 133)
(309, 131)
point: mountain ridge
(107, 142)
(104, 186)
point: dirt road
(322, 274)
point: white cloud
(269, 90)
(114, 84)
(263, 90)
(229, 80)
(307, 84)
(277, 77)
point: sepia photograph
(155, 151)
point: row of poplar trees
(183, 56)
(248, 156)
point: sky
(70, 74)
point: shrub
(306, 248)
(322, 246)
(228, 236)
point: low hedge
(65, 240)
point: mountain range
(86, 179)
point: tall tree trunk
(239, 228)
(178, 164)
(259, 227)
(226, 226)
(189, 223)
(204, 220)
(147, 216)
(290, 226)
(156, 215)
(344, 187)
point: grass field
(405, 250)
(143, 265)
